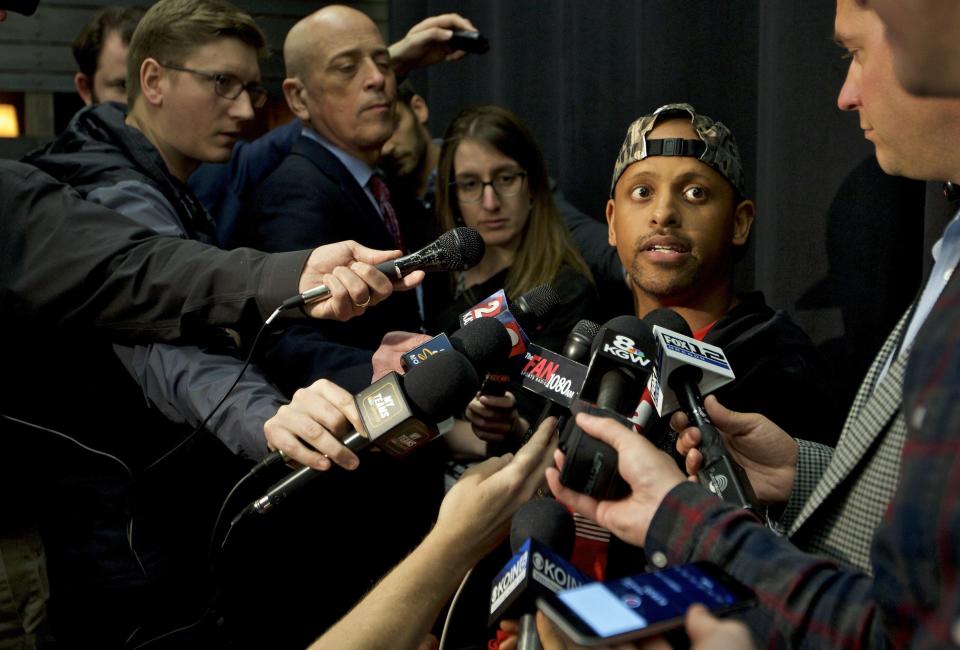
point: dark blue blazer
(311, 199)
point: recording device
(473, 42)
(28, 7)
(622, 358)
(455, 250)
(691, 368)
(399, 413)
(626, 609)
(541, 538)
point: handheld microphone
(455, 250)
(559, 377)
(534, 308)
(541, 538)
(398, 412)
(484, 342)
(622, 357)
(677, 348)
(691, 368)
(576, 352)
(528, 312)
(579, 341)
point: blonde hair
(546, 245)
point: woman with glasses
(492, 177)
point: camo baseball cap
(716, 146)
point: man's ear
(611, 230)
(420, 109)
(743, 216)
(293, 91)
(152, 75)
(84, 86)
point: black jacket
(58, 273)
(779, 373)
(101, 441)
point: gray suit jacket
(844, 497)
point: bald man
(341, 85)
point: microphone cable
(200, 427)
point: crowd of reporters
(207, 400)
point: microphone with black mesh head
(534, 308)
(484, 342)
(455, 250)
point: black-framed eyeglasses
(227, 85)
(505, 184)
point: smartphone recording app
(614, 607)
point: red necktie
(389, 215)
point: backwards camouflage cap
(716, 147)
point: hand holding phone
(474, 42)
(643, 605)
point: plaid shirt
(810, 601)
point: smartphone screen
(643, 604)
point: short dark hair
(89, 42)
(172, 29)
(406, 92)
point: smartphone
(469, 42)
(647, 604)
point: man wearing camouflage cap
(679, 218)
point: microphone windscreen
(632, 327)
(441, 387)
(668, 319)
(548, 522)
(462, 247)
(534, 307)
(485, 342)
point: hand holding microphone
(685, 369)
(345, 272)
(766, 452)
(494, 418)
(308, 429)
(397, 413)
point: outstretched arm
(474, 517)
